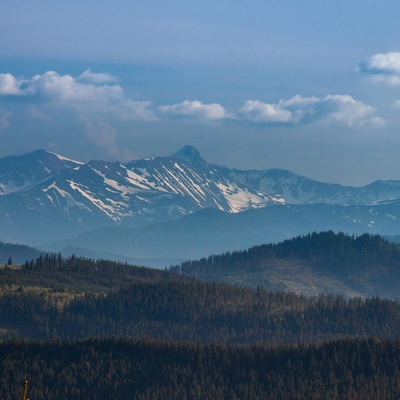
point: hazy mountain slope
(213, 231)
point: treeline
(77, 274)
(198, 311)
(146, 370)
(340, 254)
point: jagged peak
(189, 154)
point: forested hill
(318, 262)
(79, 298)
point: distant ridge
(46, 197)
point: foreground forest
(79, 328)
(104, 369)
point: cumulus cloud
(341, 109)
(285, 111)
(90, 92)
(263, 112)
(95, 100)
(197, 109)
(383, 67)
(345, 110)
(10, 85)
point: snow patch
(238, 199)
(70, 201)
(12, 186)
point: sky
(308, 86)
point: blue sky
(310, 86)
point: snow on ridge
(62, 158)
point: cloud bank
(98, 94)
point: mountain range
(177, 206)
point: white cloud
(89, 93)
(289, 111)
(94, 98)
(383, 67)
(197, 109)
(5, 115)
(96, 77)
(10, 85)
(339, 109)
(258, 111)
(345, 110)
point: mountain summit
(191, 155)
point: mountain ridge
(57, 198)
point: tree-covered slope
(330, 262)
(81, 298)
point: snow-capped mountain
(46, 197)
